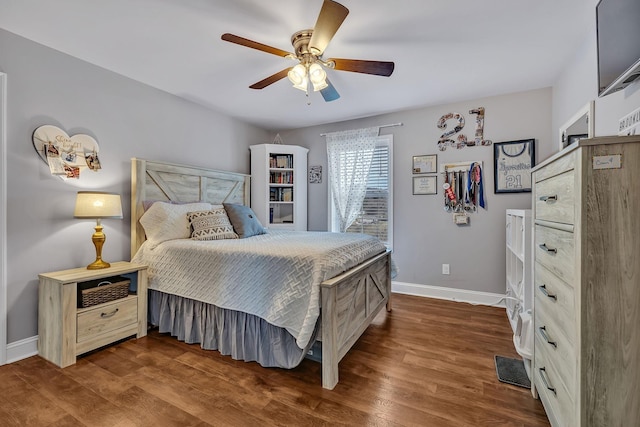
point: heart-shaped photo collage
(66, 155)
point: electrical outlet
(445, 268)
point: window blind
(374, 217)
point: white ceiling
(444, 50)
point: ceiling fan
(309, 45)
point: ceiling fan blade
(271, 79)
(329, 93)
(254, 45)
(379, 68)
(329, 20)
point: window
(376, 214)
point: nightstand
(66, 331)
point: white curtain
(349, 156)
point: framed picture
(427, 184)
(425, 164)
(315, 174)
(513, 161)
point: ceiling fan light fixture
(309, 45)
(318, 77)
(298, 76)
(319, 86)
(303, 85)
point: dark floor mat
(512, 371)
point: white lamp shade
(93, 204)
(298, 76)
(318, 77)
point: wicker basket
(105, 291)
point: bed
(347, 301)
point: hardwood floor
(427, 363)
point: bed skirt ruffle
(233, 333)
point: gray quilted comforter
(275, 276)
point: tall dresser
(586, 210)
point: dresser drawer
(557, 167)
(557, 400)
(555, 198)
(555, 249)
(107, 317)
(552, 342)
(556, 298)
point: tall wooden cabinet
(586, 203)
(279, 185)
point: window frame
(332, 223)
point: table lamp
(97, 205)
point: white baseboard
(22, 349)
(451, 294)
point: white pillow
(166, 221)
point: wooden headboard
(163, 181)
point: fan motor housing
(300, 42)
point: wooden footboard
(350, 302)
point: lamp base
(98, 264)
(98, 239)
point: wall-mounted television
(618, 43)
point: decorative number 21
(445, 139)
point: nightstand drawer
(107, 317)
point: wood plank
(84, 405)
(611, 295)
(428, 362)
(14, 392)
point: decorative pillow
(244, 220)
(166, 221)
(211, 225)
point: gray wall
(424, 234)
(128, 119)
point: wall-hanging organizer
(463, 189)
(66, 155)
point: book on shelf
(281, 194)
(285, 177)
(282, 161)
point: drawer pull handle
(543, 332)
(545, 380)
(545, 248)
(543, 289)
(103, 315)
(549, 199)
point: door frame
(3, 218)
